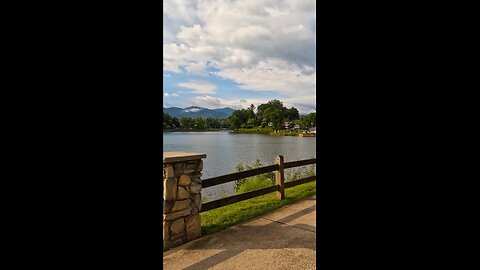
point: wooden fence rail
(298, 163)
(235, 176)
(279, 186)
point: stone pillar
(182, 198)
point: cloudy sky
(233, 53)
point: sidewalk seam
(288, 224)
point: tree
(211, 123)
(309, 120)
(274, 115)
(170, 122)
(292, 114)
(259, 117)
(224, 123)
(166, 120)
(175, 122)
(199, 123)
(239, 118)
(250, 123)
(272, 111)
(252, 108)
(186, 122)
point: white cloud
(259, 44)
(170, 94)
(264, 28)
(215, 103)
(197, 68)
(273, 75)
(199, 87)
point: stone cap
(182, 156)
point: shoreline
(248, 131)
(267, 131)
(195, 130)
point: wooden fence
(279, 187)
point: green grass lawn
(229, 215)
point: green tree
(186, 122)
(212, 123)
(272, 111)
(250, 123)
(224, 123)
(199, 123)
(309, 120)
(175, 122)
(292, 114)
(252, 108)
(275, 115)
(170, 122)
(166, 120)
(239, 118)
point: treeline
(272, 114)
(171, 122)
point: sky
(233, 53)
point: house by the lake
(288, 124)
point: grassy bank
(227, 216)
(284, 133)
(255, 130)
(268, 131)
(193, 130)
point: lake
(225, 150)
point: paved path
(282, 239)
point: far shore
(195, 130)
(265, 131)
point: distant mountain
(195, 112)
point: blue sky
(224, 53)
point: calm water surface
(225, 150)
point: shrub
(299, 173)
(254, 182)
(268, 179)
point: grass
(268, 131)
(284, 133)
(192, 130)
(256, 130)
(227, 216)
(254, 184)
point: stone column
(182, 198)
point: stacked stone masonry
(182, 201)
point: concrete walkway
(282, 239)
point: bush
(299, 173)
(254, 182)
(268, 179)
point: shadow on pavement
(273, 235)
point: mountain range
(195, 112)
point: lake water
(225, 150)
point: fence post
(280, 178)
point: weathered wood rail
(279, 186)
